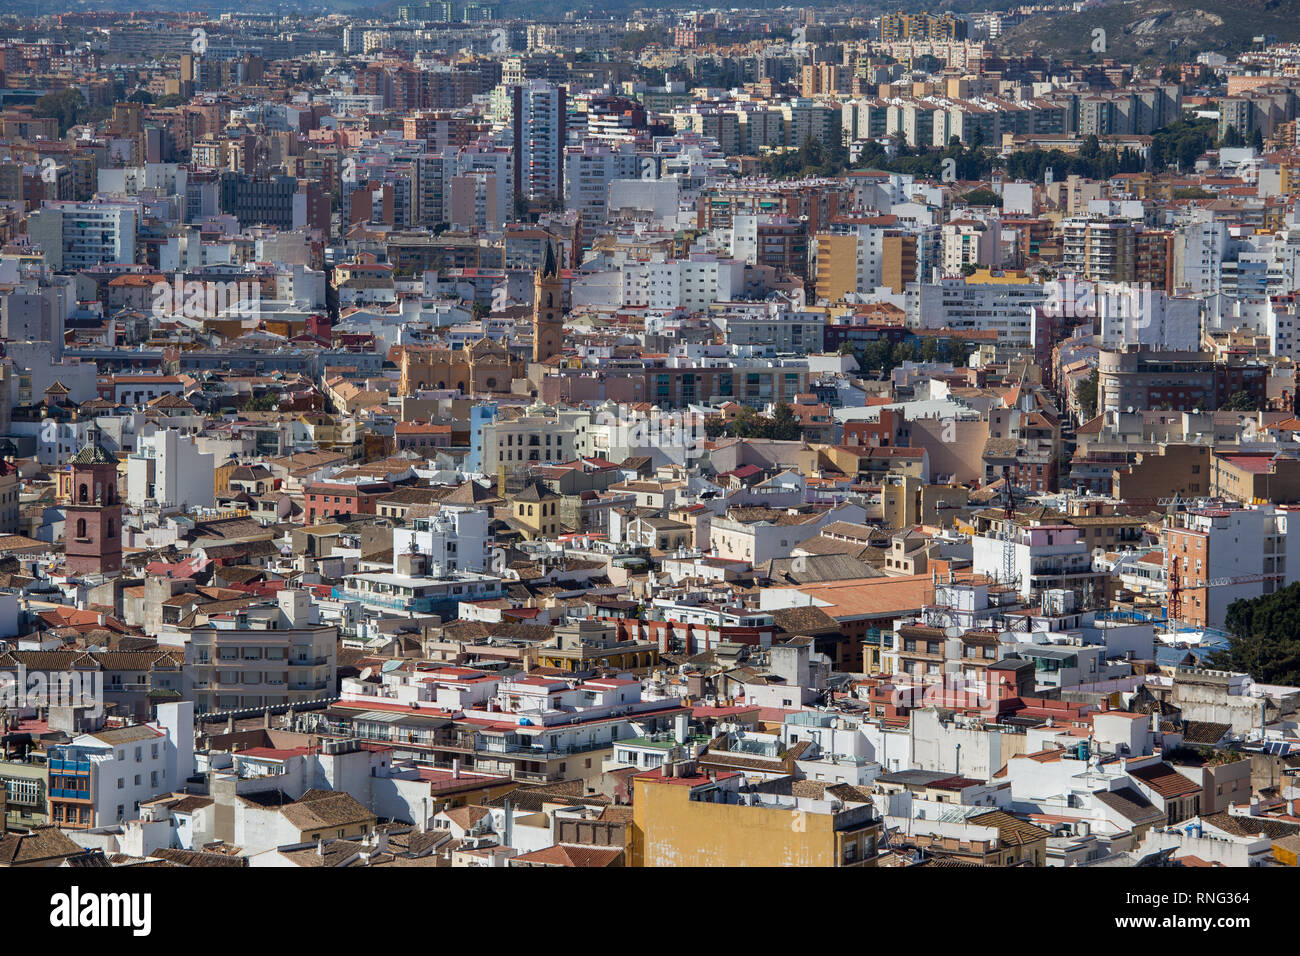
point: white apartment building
(1199, 250)
(168, 471)
(538, 123)
(102, 777)
(694, 283)
(1004, 307)
(257, 656)
(533, 439)
(1229, 554)
(775, 534)
(454, 539)
(1149, 318)
(768, 325)
(81, 235)
(970, 242)
(589, 171)
(1043, 557)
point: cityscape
(473, 434)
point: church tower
(93, 529)
(548, 316)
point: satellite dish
(365, 674)
(390, 666)
(953, 630)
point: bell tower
(93, 527)
(548, 316)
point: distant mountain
(1136, 29)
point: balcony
(69, 766)
(59, 793)
(312, 685)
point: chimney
(455, 768)
(681, 727)
(320, 846)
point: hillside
(1159, 29)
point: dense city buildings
(439, 435)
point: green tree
(1231, 138)
(261, 403)
(67, 106)
(982, 197)
(1087, 395)
(1265, 637)
(785, 423)
(746, 424)
(1239, 402)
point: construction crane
(1174, 613)
(1175, 588)
(1239, 579)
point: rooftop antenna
(1008, 537)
